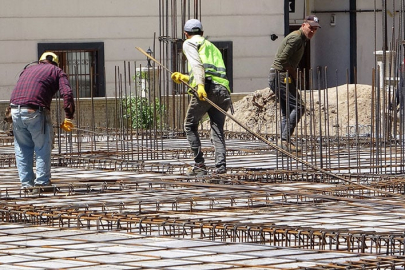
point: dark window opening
(84, 65)
(226, 48)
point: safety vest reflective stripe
(206, 66)
(215, 74)
(212, 70)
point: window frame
(85, 46)
(226, 47)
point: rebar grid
(283, 236)
(251, 212)
(394, 262)
(121, 178)
(35, 247)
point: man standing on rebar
(32, 125)
(286, 62)
(207, 73)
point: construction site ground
(147, 214)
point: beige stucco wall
(249, 25)
(125, 24)
(122, 25)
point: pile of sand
(334, 111)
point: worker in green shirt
(286, 62)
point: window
(226, 49)
(84, 65)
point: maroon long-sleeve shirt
(39, 83)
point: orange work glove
(177, 77)
(67, 125)
(201, 92)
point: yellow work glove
(67, 125)
(177, 77)
(201, 92)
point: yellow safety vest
(212, 61)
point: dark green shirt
(290, 52)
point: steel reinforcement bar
(380, 263)
(155, 225)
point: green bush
(144, 114)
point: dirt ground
(334, 111)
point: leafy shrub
(144, 114)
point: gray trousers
(195, 112)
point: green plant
(144, 114)
(140, 75)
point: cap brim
(315, 24)
(194, 30)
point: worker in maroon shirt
(32, 124)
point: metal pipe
(354, 10)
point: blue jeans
(196, 110)
(32, 134)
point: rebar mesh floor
(24, 247)
(152, 216)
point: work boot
(220, 170)
(26, 190)
(197, 170)
(38, 188)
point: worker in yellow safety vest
(207, 73)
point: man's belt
(27, 106)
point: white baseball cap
(193, 25)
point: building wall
(331, 45)
(249, 26)
(121, 25)
(125, 24)
(370, 34)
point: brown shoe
(288, 146)
(283, 144)
(294, 148)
